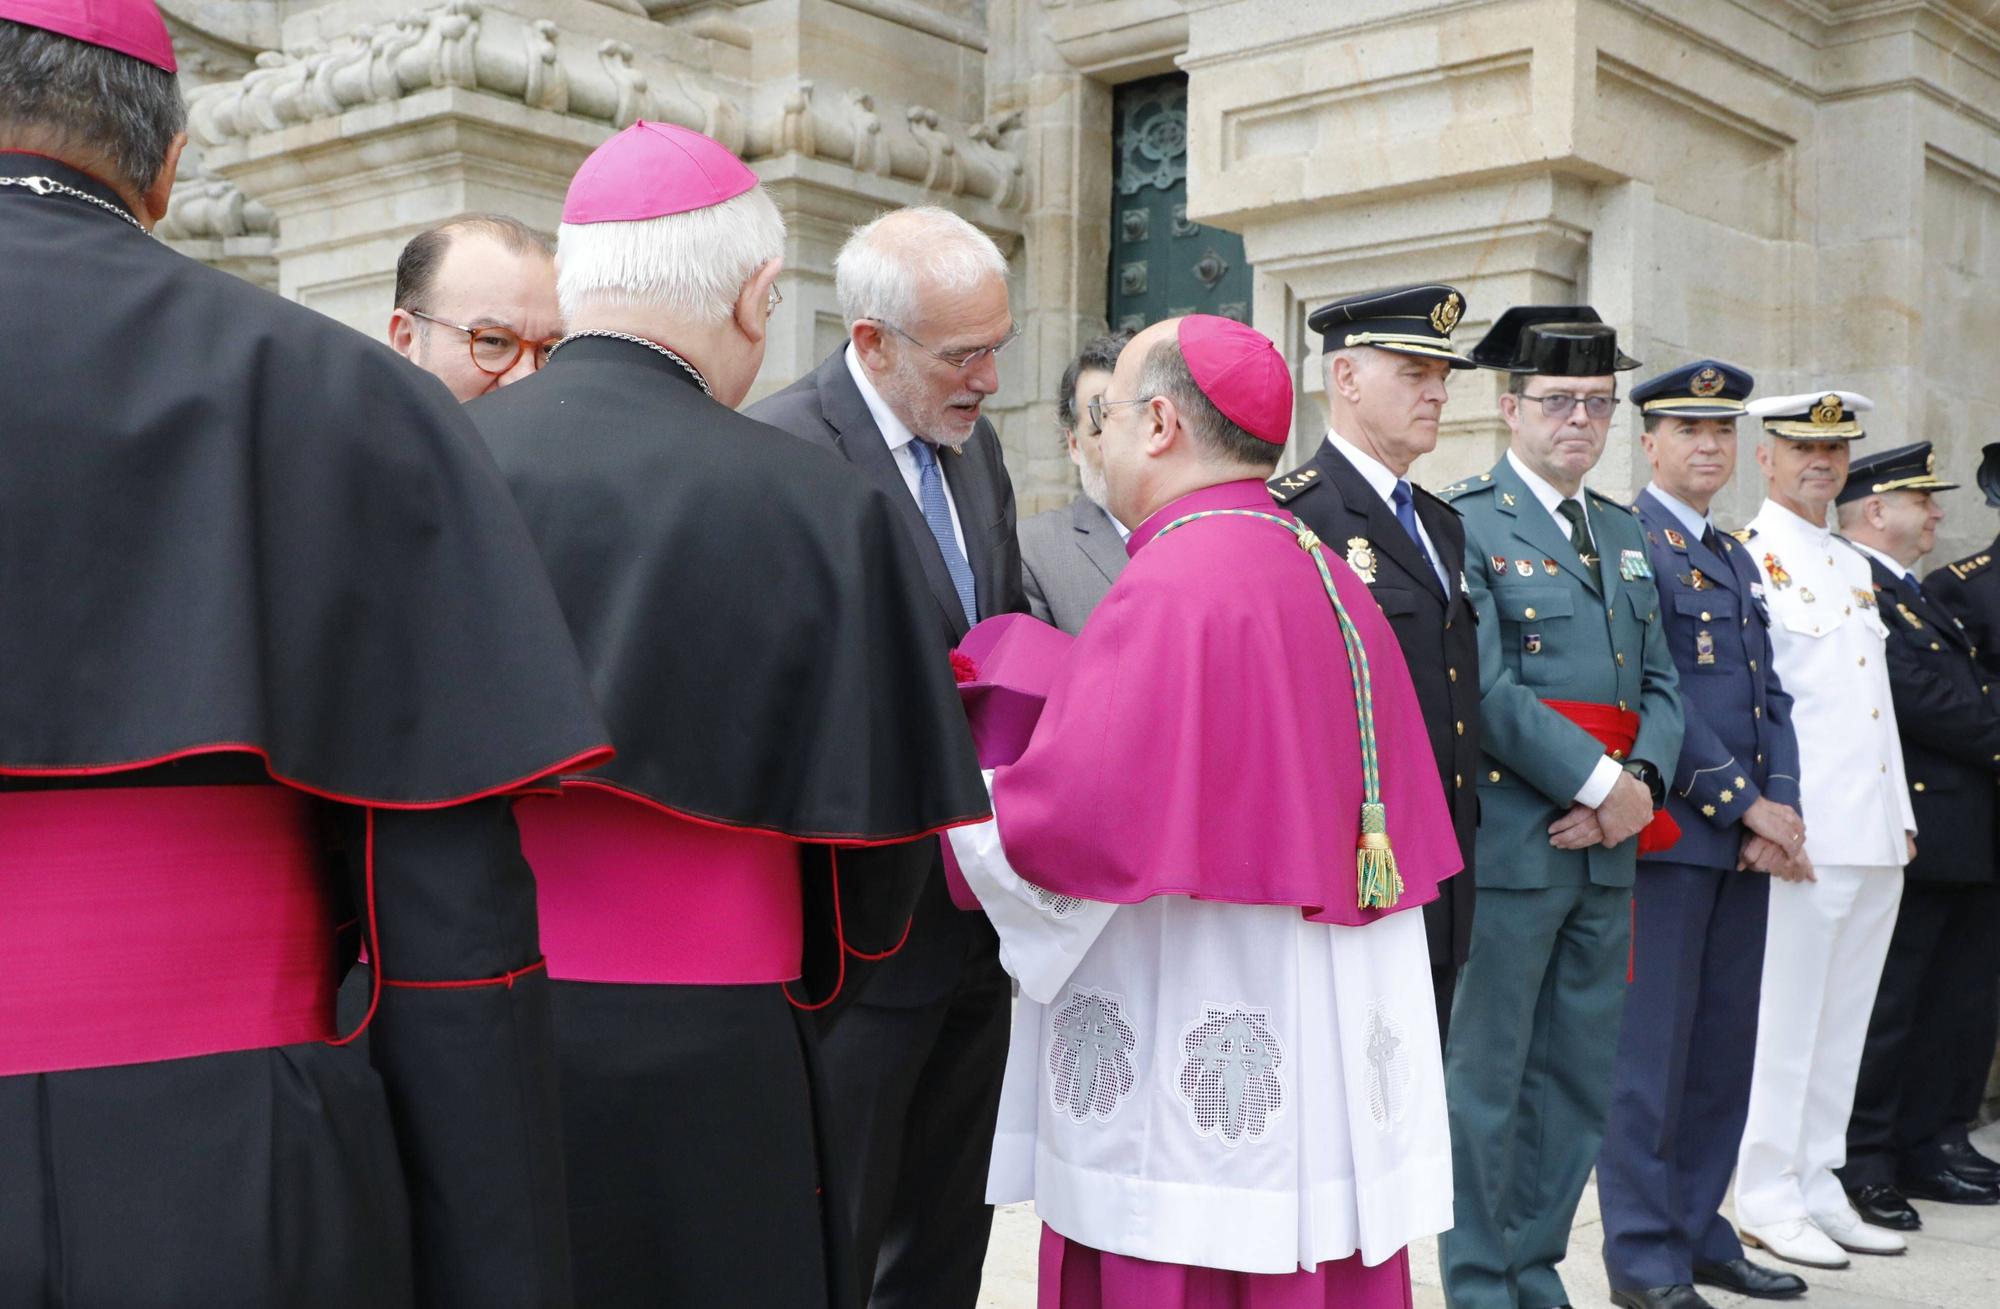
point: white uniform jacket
(1830, 645)
(1220, 1085)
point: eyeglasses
(773, 300)
(959, 359)
(1098, 404)
(495, 349)
(1558, 405)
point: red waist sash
(631, 893)
(1616, 730)
(148, 923)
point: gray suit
(1069, 559)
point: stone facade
(1810, 188)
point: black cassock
(762, 642)
(243, 545)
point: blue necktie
(937, 514)
(1406, 514)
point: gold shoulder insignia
(1284, 487)
(1744, 534)
(1608, 503)
(1965, 568)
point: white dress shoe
(1796, 1241)
(1850, 1233)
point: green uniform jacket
(1551, 628)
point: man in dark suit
(1930, 1036)
(914, 1065)
(1386, 355)
(1681, 1084)
(1071, 555)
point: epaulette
(1434, 498)
(1286, 485)
(1965, 568)
(1471, 484)
(1743, 534)
(1609, 503)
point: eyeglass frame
(1098, 404)
(521, 343)
(1569, 403)
(972, 356)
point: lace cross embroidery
(1090, 1056)
(1229, 1073)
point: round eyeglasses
(495, 349)
(958, 359)
(1099, 405)
(1559, 404)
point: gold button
(1704, 616)
(1460, 727)
(1847, 609)
(1529, 611)
(1918, 786)
(1753, 665)
(1881, 768)
(1494, 776)
(1935, 646)
(1610, 613)
(1621, 658)
(1453, 673)
(1458, 779)
(1757, 711)
(1760, 759)
(1863, 661)
(1874, 713)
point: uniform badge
(1676, 540)
(1697, 581)
(1776, 571)
(1828, 411)
(1704, 647)
(1550, 567)
(1531, 643)
(1632, 565)
(1361, 558)
(1706, 383)
(1507, 498)
(1499, 563)
(1865, 597)
(1446, 314)
(1757, 590)
(1524, 568)
(1909, 617)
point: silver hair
(692, 265)
(1165, 372)
(874, 280)
(67, 94)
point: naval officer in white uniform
(1827, 938)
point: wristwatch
(1650, 775)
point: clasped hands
(1623, 814)
(1774, 841)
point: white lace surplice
(1221, 1085)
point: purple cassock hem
(1074, 1276)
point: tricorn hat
(1552, 340)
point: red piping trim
(841, 951)
(587, 759)
(810, 838)
(374, 935)
(505, 979)
(901, 941)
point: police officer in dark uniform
(1682, 1081)
(1386, 356)
(1969, 588)
(1930, 1037)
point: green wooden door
(1162, 265)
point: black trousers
(1932, 1032)
(913, 1087)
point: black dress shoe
(1753, 1280)
(1660, 1297)
(1948, 1187)
(1961, 1158)
(1884, 1206)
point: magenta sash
(631, 893)
(148, 923)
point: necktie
(1709, 541)
(1579, 531)
(937, 516)
(1406, 514)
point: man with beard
(1386, 356)
(1070, 556)
(1580, 714)
(1931, 1035)
(779, 690)
(276, 648)
(914, 1068)
(476, 303)
(1682, 1081)
(1826, 939)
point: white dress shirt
(1605, 773)
(1895, 569)
(1382, 479)
(1696, 522)
(1830, 646)
(898, 437)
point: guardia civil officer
(1580, 718)
(1825, 939)
(1386, 355)
(1682, 1079)
(1930, 1038)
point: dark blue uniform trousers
(1682, 1082)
